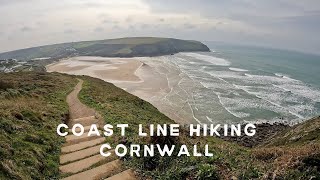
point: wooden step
(125, 175)
(64, 158)
(86, 163)
(99, 172)
(82, 145)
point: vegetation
(36, 58)
(278, 158)
(123, 47)
(31, 106)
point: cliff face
(123, 47)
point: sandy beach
(146, 77)
(109, 69)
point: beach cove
(140, 76)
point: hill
(123, 47)
(32, 104)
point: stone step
(77, 141)
(86, 163)
(72, 139)
(86, 129)
(83, 118)
(99, 172)
(85, 121)
(82, 145)
(87, 118)
(125, 175)
(64, 158)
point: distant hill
(123, 47)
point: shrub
(206, 171)
(5, 85)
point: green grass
(136, 40)
(298, 135)
(31, 106)
(119, 107)
(229, 160)
(122, 47)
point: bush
(5, 85)
(250, 173)
(206, 171)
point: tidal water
(235, 84)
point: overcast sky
(287, 24)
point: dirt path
(80, 158)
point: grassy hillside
(280, 159)
(32, 104)
(123, 47)
(298, 135)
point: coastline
(151, 80)
(140, 76)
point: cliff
(123, 47)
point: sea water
(235, 84)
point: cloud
(69, 31)
(189, 26)
(116, 27)
(292, 24)
(144, 26)
(25, 29)
(99, 29)
(106, 21)
(282, 23)
(129, 19)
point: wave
(213, 60)
(209, 119)
(284, 76)
(249, 96)
(271, 98)
(238, 69)
(277, 94)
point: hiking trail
(80, 157)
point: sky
(285, 24)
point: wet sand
(148, 78)
(108, 69)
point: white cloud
(282, 23)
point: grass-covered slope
(123, 47)
(276, 160)
(300, 134)
(31, 106)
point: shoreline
(155, 85)
(147, 78)
(151, 83)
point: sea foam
(211, 59)
(246, 95)
(238, 69)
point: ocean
(234, 84)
